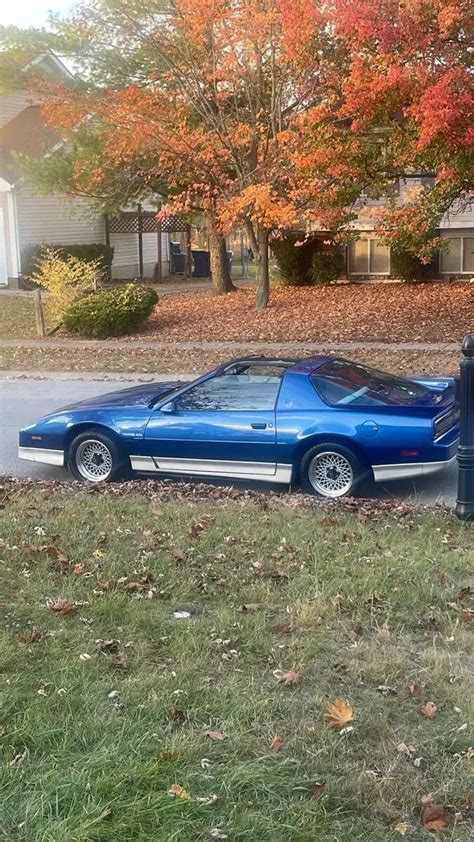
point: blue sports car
(324, 422)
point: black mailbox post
(465, 499)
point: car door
(223, 426)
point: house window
(369, 257)
(459, 257)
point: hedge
(111, 313)
(294, 262)
(327, 266)
(407, 266)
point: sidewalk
(317, 347)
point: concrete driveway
(23, 401)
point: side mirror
(169, 407)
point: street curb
(295, 345)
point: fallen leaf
(179, 792)
(317, 790)
(177, 715)
(430, 710)
(120, 662)
(282, 628)
(251, 606)
(289, 678)
(416, 689)
(108, 645)
(409, 749)
(218, 833)
(105, 586)
(434, 816)
(385, 690)
(467, 615)
(49, 550)
(403, 828)
(31, 636)
(78, 569)
(216, 735)
(61, 605)
(137, 587)
(206, 800)
(172, 754)
(180, 555)
(338, 714)
(277, 743)
(465, 595)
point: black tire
(94, 452)
(337, 468)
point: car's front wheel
(94, 457)
(332, 470)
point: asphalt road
(23, 401)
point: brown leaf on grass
(177, 715)
(62, 605)
(172, 754)
(179, 792)
(49, 550)
(277, 743)
(416, 689)
(31, 636)
(248, 607)
(289, 678)
(282, 628)
(137, 587)
(120, 662)
(109, 646)
(338, 713)
(317, 790)
(178, 554)
(429, 710)
(434, 816)
(105, 586)
(465, 596)
(217, 736)
(78, 569)
(467, 615)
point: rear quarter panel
(303, 420)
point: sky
(26, 13)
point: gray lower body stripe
(263, 471)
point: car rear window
(344, 383)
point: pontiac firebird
(324, 422)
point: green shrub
(110, 313)
(407, 266)
(327, 266)
(294, 262)
(31, 256)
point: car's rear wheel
(94, 457)
(332, 470)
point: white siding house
(27, 219)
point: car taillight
(446, 421)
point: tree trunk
(263, 278)
(221, 280)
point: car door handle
(259, 425)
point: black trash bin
(178, 263)
(202, 263)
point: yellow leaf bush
(66, 279)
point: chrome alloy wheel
(330, 474)
(94, 460)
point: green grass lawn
(106, 708)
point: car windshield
(343, 383)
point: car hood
(143, 395)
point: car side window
(232, 392)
